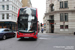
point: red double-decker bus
(27, 23)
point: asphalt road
(44, 42)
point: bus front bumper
(27, 35)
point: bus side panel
(37, 25)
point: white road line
(44, 38)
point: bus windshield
(27, 20)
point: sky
(41, 7)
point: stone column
(47, 24)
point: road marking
(44, 38)
(64, 47)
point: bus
(27, 23)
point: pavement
(55, 33)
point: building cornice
(63, 11)
(9, 11)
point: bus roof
(28, 7)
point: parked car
(5, 33)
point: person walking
(42, 29)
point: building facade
(60, 16)
(26, 3)
(8, 13)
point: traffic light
(41, 24)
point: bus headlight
(35, 32)
(18, 33)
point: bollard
(74, 33)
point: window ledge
(63, 21)
(64, 8)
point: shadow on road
(25, 39)
(1, 39)
(7, 38)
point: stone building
(60, 16)
(8, 13)
(26, 3)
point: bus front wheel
(35, 39)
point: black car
(5, 33)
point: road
(44, 42)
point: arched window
(52, 7)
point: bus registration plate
(26, 37)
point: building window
(2, 16)
(12, 7)
(51, 17)
(66, 26)
(7, 16)
(64, 4)
(7, 7)
(3, 7)
(61, 26)
(52, 7)
(61, 4)
(64, 17)
(61, 17)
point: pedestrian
(42, 29)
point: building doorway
(51, 21)
(52, 28)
